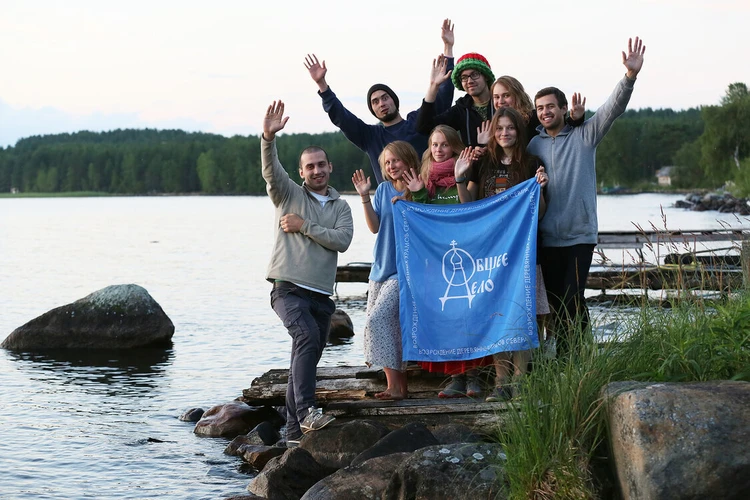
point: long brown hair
(521, 98)
(520, 168)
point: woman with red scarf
(437, 184)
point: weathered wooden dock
(689, 268)
(347, 392)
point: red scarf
(441, 174)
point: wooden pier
(347, 392)
(685, 267)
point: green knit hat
(472, 60)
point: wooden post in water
(745, 258)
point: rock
(259, 456)
(449, 472)
(341, 325)
(115, 317)
(366, 481)
(455, 433)
(242, 497)
(680, 440)
(338, 444)
(192, 415)
(235, 418)
(410, 437)
(289, 476)
(235, 446)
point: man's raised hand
(446, 34)
(274, 120)
(577, 106)
(317, 71)
(633, 60)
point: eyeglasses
(473, 75)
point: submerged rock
(115, 317)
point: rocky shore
(720, 201)
(666, 440)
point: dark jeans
(566, 270)
(307, 317)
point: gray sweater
(570, 161)
(309, 257)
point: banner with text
(467, 275)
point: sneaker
(456, 388)
(473, 387)
(499, 394)
(315, 420)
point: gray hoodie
(570, 161)
(309, 257)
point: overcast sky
(95, 65)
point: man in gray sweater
(569, 229)
(314, 225)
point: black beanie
(386, 89)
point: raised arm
(460, 171)
(438, 75)
(274, 120)
(446, 34)
(278, 183)
(633, 60)
(362, 184)
(317, 71)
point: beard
(390, 117)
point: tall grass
(556, 441)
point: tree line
(709, 146)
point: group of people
(491, 139)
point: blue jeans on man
(307, 318)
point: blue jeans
(307, 317)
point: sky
(95, 65)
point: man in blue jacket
(570, 227)
(384, 105)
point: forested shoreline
(708, 145)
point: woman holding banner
(507, 164)
(382, 335)
(438, 184)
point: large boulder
(338, 444)
(289, 476)
(115, 317)
(366, 481)
(680, 440)
(411, 437)
(461, 470)
(232, 419)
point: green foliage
(726, 139)
(556, 440)
(643, 141)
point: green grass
(556, 441)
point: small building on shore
(664, 175)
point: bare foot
(389, 396)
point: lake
(107, 427)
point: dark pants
(566, 270)
(307, 318)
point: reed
(556, 440)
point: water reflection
(117, 372)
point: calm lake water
(106, 427)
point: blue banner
(467, 275)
